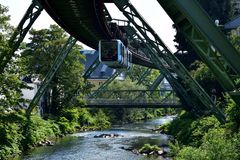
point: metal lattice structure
(164, 55)
(131, 99)
(91, 22)
(22, 29)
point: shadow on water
(83, 146)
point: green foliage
(174, 148)
(39, 129)
(147, 148)
(191, 153)
(206, 78)
(235, 38)
(233, 112)
(71, 114)
(11, 134)
(37, 58)
(66, 126)
(101, 120)
(137, 71)
(216, 146)
(188, 130)
(85, 118)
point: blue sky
(149, 9)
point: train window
(109, 51)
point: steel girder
(106, 83)
(93, 66)
(197, 17)
(144, 75)
(177, 85)
(34, 10)
(165, 69)
(204, 36)
(165, 56)
(131, 99)
(56, 65)
(156, 83)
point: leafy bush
(101, 120)
(233, 112)
(39, 129)
(191, 153)
(188, 130)
(71, 114)
(216, 146)
(11, 134)
(147, 148)
(85, 118)
(65, 126)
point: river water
(83, 146)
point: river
(83, 146)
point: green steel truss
(208, 41)
(165, 70)
(156, 83)
(105, 84)
(56, 65)
(143, 77)
(20, 32)
(93, 66)
(165, 56)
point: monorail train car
(114, 54)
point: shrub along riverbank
(205, 138)
(19, 134)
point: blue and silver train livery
(114, 54)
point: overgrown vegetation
(204, 138)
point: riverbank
(83, 145)
(20, 134)
(202, 138)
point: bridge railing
(135, 98)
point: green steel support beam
(153, 87)
(165, 70)
(93, 66)
(86, 75)
(166, 56)
(106, 83)
(156, 83)
(20, 32)
(56, 65)
(192, 27)
(144, 75)
(199, 18)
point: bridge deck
(113, 103)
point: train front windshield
(109, 51)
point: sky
(149, 9)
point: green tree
(40, 52)
(137, 71)
(11, 85)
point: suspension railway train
(114, 54)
